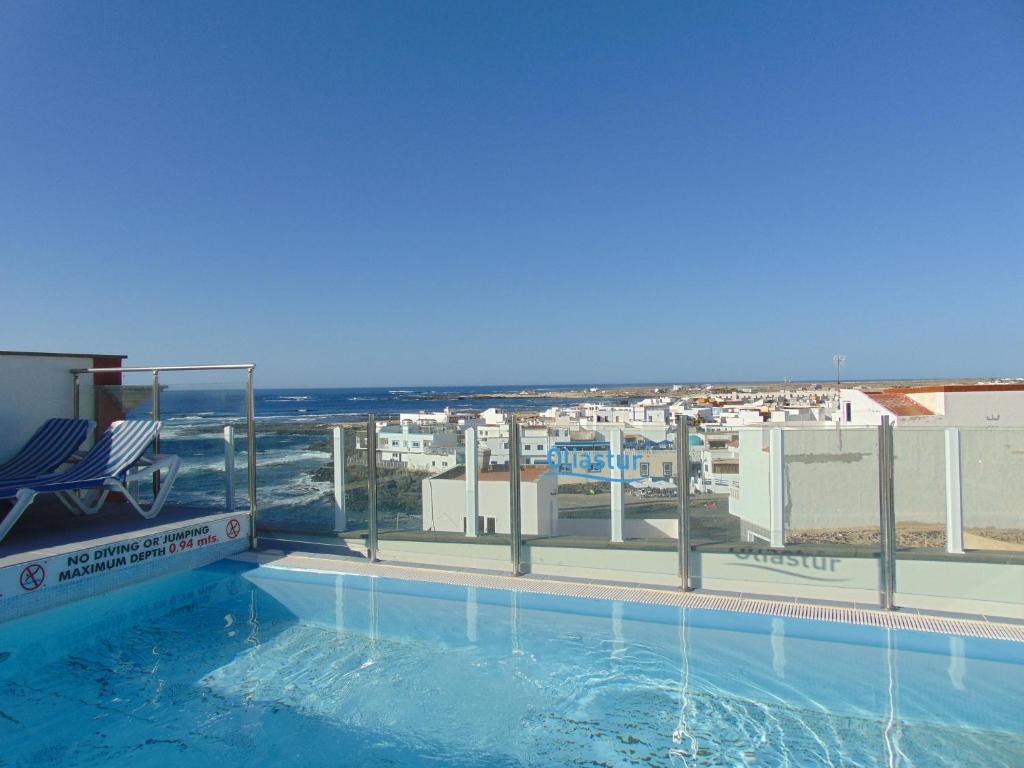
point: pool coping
(815, 611)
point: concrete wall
(34, 388)
(919, 475)
(17, 600)
(830, 477)
(992, 462)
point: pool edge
(903, 620)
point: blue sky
(462, 193)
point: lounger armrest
(150, 465)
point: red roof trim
(957, 388)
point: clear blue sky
(429, 193)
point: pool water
(237, 666)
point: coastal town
(748, 449)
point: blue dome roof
(696, 440)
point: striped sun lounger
(111, 465)
(54, 443)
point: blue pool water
(234, 666)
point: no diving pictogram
(32, 576)
(234, 528)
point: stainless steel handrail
(153, 368)
(250, 413)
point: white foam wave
(296, 491)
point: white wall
(444, 504)
(979, 409)
(863, 410)
(34, 388)
(752, 503)
(830, 477)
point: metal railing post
(250, 443)
(777, 487)
(683, 473)
(472, 484)
(515, 510)
(340, 516)
(954, 493)
(617, 487)
(229, 468)
(887, 518)
(156, 417)
(371, 488)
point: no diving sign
(84, 563)
(32, 577)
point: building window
(849, 411)
(645, 468)
(416, 444)
(666, 469)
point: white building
(958, 405)
(426, 449)
(444, 502)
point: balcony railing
(917, 517)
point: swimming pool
(232, 665)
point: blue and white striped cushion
(51, 445)
(111, 457)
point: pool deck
(907, 619)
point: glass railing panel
(408, 454)
(992, 488)
(296, 458)
(443, 492)
(651, 490)
(919, 491)
(194, 409)
(610, 512)
(715, 527)
(808, 514)
(829, 490)
(960, 519)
